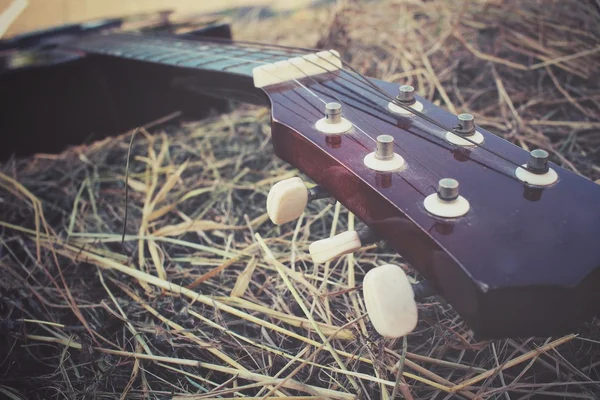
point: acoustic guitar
(508, 238)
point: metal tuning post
(447, 203)
(465, 133)
(288, 199)
(405, 101)
(537, 172)
(333, 123)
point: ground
(47, 13)
(205, 298)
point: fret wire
(210, 42)
(188, 61)
(209, 62)
(245, 63)
(161, 57)
(191, 47)
(190, 55)
(185, 61)
(175, 51)
(177, 59)
(176, 55)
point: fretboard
(222, 56)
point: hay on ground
(205, 298)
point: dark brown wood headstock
(523, 261)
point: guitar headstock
(507, 237)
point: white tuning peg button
(287, 200)
(345, 243)
(390, 301)
(327, 249)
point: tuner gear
(333, 123)
(447, 203)
(383, 159)
(390, 301)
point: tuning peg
(336, 246)
(390, 301)
(288, 199)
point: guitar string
(298, 83)
(380, 91)
(320, 111)
(383, 95)
(428, 138)
(385, 109)
(362, 131)
(357, 113)
(395, 116)
(305, 88)
(508, 174)
(287, 48)
(261, 62)
(408, 153)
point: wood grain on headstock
(523, 261)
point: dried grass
(204, 298)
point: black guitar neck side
(106, 91)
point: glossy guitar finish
(523, 261)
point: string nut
(538, 161)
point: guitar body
(59, 97)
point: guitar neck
(211, 66)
